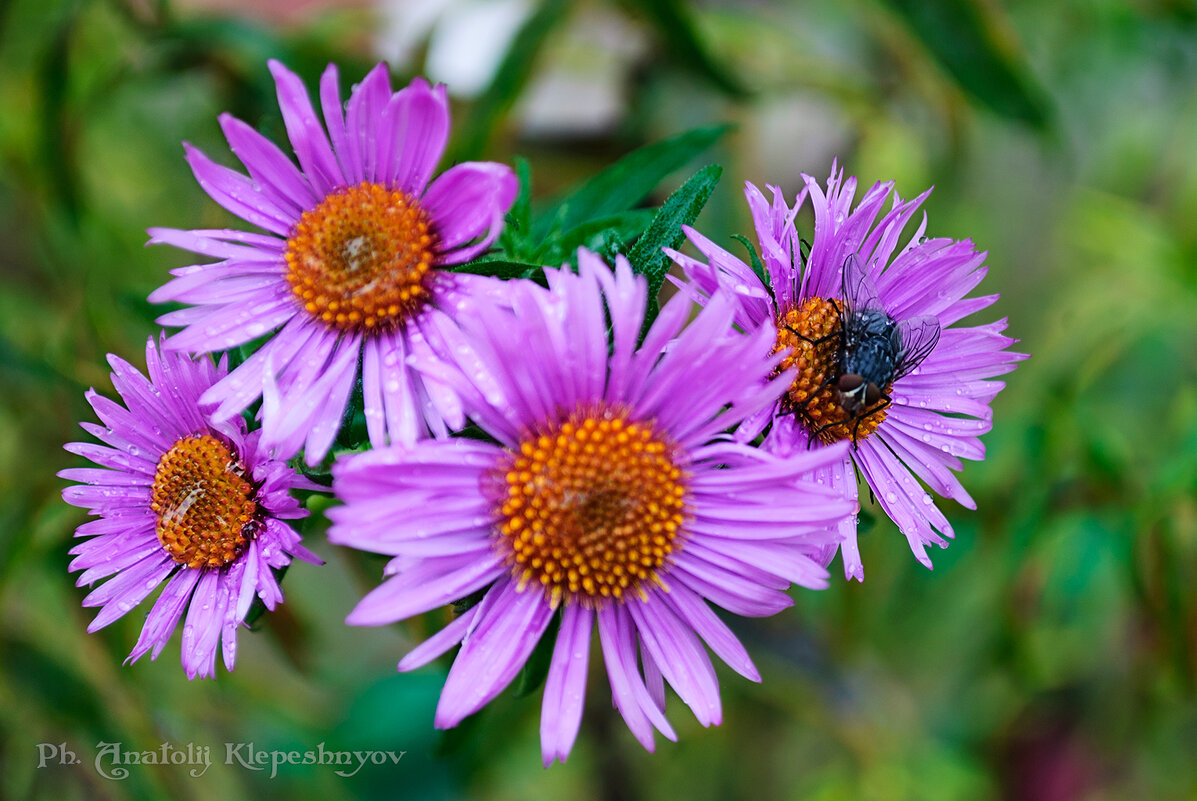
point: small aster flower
(351, 267)
(611, 498)
(186, 503)
(859, 300)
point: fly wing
(859, 291)
(919, 335)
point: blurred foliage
(1051, 655)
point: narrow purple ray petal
(493, 654)
(420, 125)
(236, 193)
(440, 642)
(565, 686)
(410, 594)
(303, 129)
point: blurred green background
(1052, 653)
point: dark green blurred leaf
(682, 208)
(254, 616)
(674, 24)
(57, 142)
(628, 181)
(467, 603)
(509, 80)
(964, 37)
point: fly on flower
(870, 330)
(873, 351)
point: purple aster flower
(185, 502)
(611, 497)
(870, 329)
(352, 264)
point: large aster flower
(922, 422)
(610, 498)
(183, 501)
(352, 264)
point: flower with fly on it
(352, 266)
(871, 331)
(184, 502)
(611, 498)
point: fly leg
(881, 405)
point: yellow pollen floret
(361, 259)
(590, 508)
(205, 505)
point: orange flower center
(811, 332)
(361, 259)
(205, 505)
(591, 508)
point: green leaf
(516, 241)
(628, 181)
(680, 209)
(967, 38)
(758, 266)
(463, 605)
(674, 23)
(595, 235)
(499, 268)
(58, 149)
(534, 671)
(509, 81)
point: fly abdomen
(872, 347)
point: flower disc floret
(591, 508)
(205, 505)
(361, 259)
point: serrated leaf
(516, 240)
(627, 182)
(499, 268)
(966, 38)
(594, 235)
(758, 266)
(682, 208)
